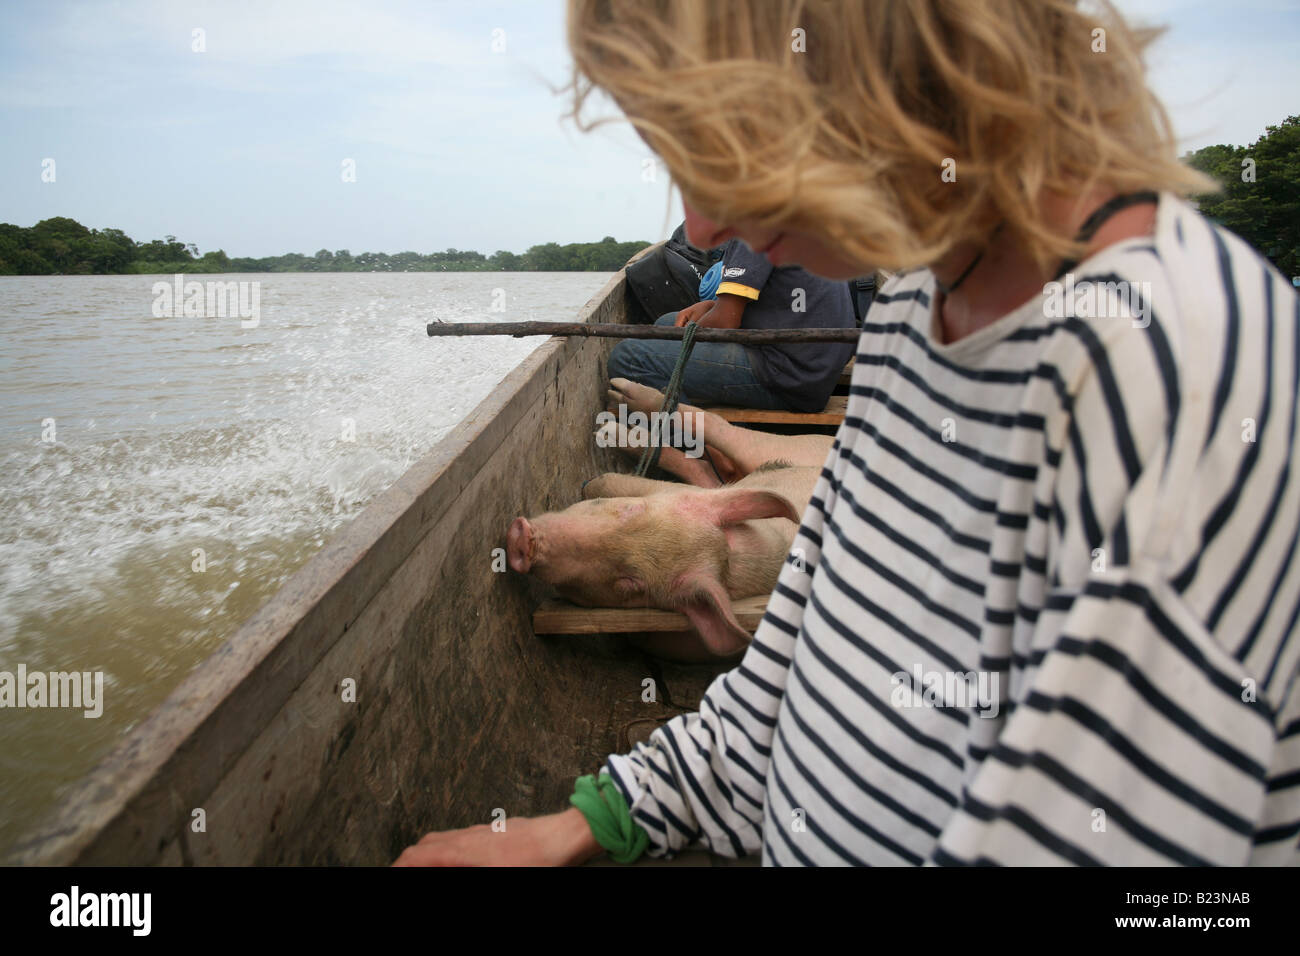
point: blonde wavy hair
(848, 140)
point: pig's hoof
(637, 397)
(595, 487)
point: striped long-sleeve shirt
(1043, 605)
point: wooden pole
(743, 336)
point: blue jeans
(718, 373)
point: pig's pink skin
(674, 547)
(576, 551)
(744, 450)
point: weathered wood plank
(561, 617)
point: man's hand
(560, 839)
(693, 313)
(724, 312)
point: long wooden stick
(612, 331)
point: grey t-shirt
(789, 297)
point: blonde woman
(1047, 609)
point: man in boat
(1048, 605)
(752, 292)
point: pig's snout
(519, 545)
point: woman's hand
(560, 839)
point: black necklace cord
(1089, 229)
(1099, 217)
(979, 256)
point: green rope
(650, 456)
(609, 818)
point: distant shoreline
(64, 247)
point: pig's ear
(744, 504)
(705, 602)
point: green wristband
(610, 819)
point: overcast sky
(455, 143)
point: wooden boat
(397, 683)
(394, 685)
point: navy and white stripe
(1074, 506)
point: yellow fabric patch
(735, 288)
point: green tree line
(1260, 200)
(63, 246)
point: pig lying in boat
(638, 542)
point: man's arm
(725, 312)
(744, 274)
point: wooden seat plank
(832, 414)
(561, 617)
